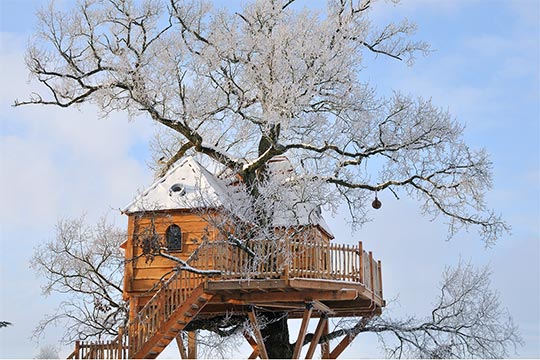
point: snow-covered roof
(188, 185)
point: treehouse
(193, 253)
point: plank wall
(142, 274)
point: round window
(177, 189)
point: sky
(484, 69)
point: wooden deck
(335, 280)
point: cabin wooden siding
(142, 275)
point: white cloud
(53, 163)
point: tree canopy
(271, 79)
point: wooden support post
(286, 258)
(379, 266)
(318, 332)
(120, 344)
(303, 330)
(325, 346)
(77, 349)
(257, 332)
(371, 274)
(192, 345)
(133, 330)
(181, 347)
(361, 252)
(286, 270)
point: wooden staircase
(153, 329)
(177, 302)
(153, 345)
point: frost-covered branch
(242, 88)
(467, 321)
(86, 263)
(184, 266)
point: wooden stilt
(192, 345)
(303, 330)
(181, 347)
(318, 332)
(325, 346)
(257, 332)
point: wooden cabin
(184, 212)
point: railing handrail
(341, 258)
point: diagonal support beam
(347, 339)
(253, 344)
(318, 332)
(257, 332)
(181, 347)
(303, 330)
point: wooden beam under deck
(241, 298)
(257, 332)
(260, 289)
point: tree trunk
(276, 335)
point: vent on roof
(177, 189)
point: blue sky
(484, 68)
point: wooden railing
(111, 349)
(291, 259)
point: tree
(467, 321)
(48, 352)
(85, 263)
(242, 88)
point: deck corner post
(379, 268)
(361, 254)
(371, 277)
(120, 343)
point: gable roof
(188, 185)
